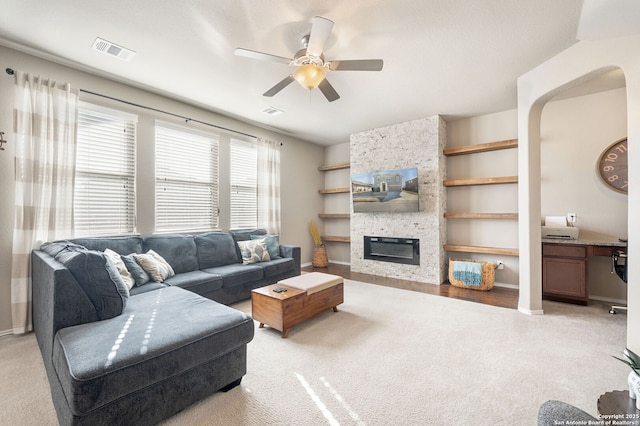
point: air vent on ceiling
(272, 111)
(112, 49)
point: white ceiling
(450, 57)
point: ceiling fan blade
(328, 91)
(252, 54)
(320, 31)
(278, 87)
(357, 65)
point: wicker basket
(488, 275)
(320, 259)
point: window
(244, 180)
(186, 180)
(104, 194)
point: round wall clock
(612, 166)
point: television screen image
(385, 191)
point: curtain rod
(10, 71)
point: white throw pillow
(155, 265)
(122, 269)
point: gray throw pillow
(100, 280)
(139, 275)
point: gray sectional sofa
(115, 355)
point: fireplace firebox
(392, 249)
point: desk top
(587, 241)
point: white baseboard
(6, 332)
(608, 300)
(530, 312)
(505, 285)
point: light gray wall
(300, 200)
(574, 132)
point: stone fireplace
(418, 143)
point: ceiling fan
(310, 67)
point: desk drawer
(564, 250)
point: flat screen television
(394, 191)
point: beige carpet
(388, 357)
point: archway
(580, 63)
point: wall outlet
(500, 265)
(572, 218)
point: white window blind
(104, 193)
(244, 181)
(186, 180)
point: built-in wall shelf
(334, 215)
(460, 215)
(335, 239)
(334, 190)
(334, 167)
(483, 147)
(331, 216)
(481, 181)
(483, 250)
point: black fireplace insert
(392, 249)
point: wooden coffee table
(284, 310)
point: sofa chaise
(119, 355)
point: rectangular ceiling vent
(112, 49)
(272, 111)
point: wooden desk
(565, 267)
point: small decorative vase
(320, 259)
(634, 388)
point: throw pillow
(138, 274)
(273, 244)
(155, 265)
(120, 266)
(254, 251)
(100, 280)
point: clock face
(612, 166)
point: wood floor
(497, 296)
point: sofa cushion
(254, 251)
(99, 279)
(137, 272)
(197, 281)
(100, 362)
(55, 248)
(150, 286)
(277, 267)
(237, 274)
(154, 265)
(216, 249)
(119, 244)
(273, 244)
(177, 249)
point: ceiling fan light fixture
(309, 75)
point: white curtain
(269, 185)
(45, 137)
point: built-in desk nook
(565, 266)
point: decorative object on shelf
(612, 166)
(2, 141)
(633, 361)
(320, 259)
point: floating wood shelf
(334, 215)
(460, 215)
(483, 250)
(335, 239)
(483, 147)
(334, 167)
(334, 190)
(481, 181)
